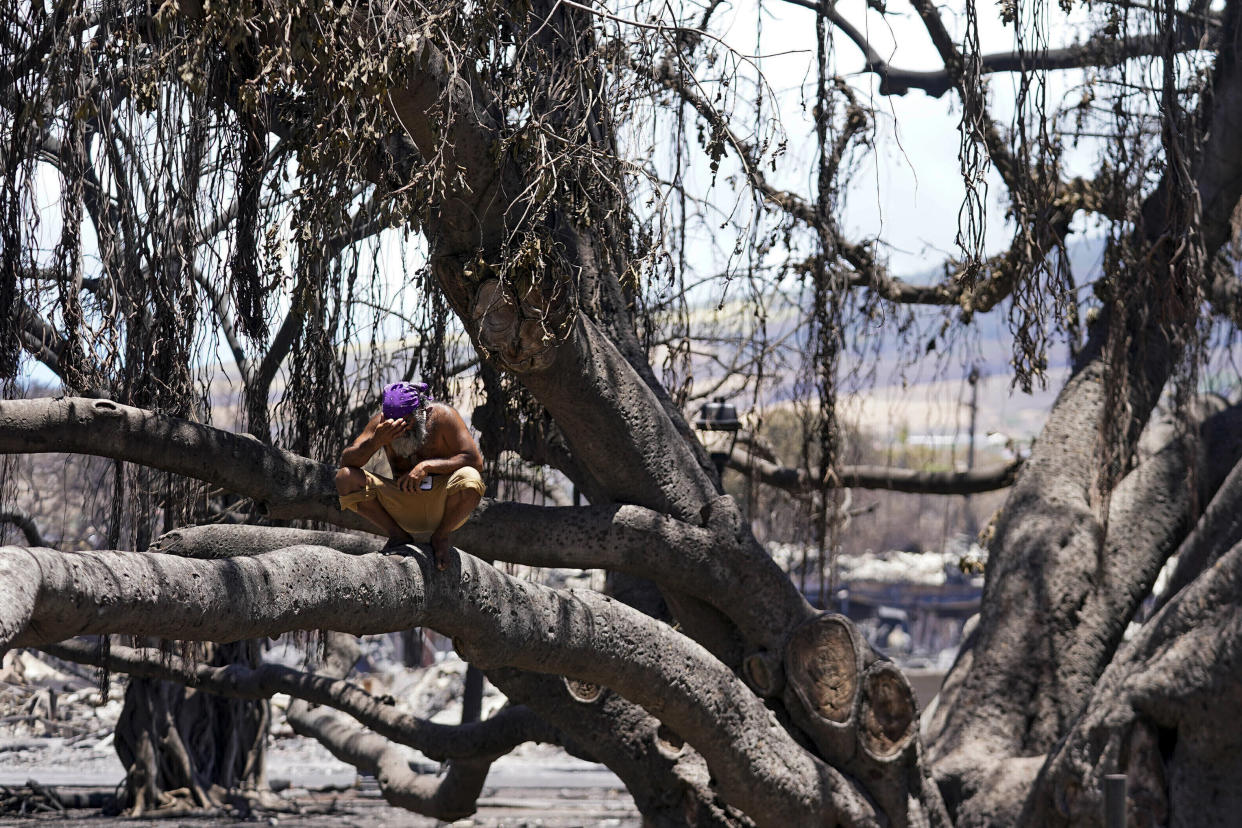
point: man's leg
(350, 479)
(457, 507)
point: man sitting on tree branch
(436, 465)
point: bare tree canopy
(223, 226)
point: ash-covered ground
(57, 761)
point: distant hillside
(910, 381)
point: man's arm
(368, 442)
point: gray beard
(408, 444)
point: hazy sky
(909, 189)
(906, 190)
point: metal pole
(973, 379)
(972, 527)
(1115, 800)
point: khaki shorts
(419, 511)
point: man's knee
(464, 497)
(350, 479)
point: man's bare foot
(441, 546)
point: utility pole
(972, 526)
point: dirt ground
(498, 808)
(56, 754)
(56, 732)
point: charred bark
(186, 750)
(1155, 717)
(798, 480)
(284, 485)
(1066, 618)
(497, 621)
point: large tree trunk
(753, 706)
(1056, 624)
(184, 748)
(1156, 716)
(1068, 563)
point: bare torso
(446, 448)
(443, 441)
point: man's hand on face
(389, 430)
(410, 480)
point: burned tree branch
(218, 541)
(999, 272)
(23, 521)
(450, 797)
(705, 562)
(284, 484)
(1096, 51)
(496, 620)
(869, 272)
(492, 737)
(875, 477)
(668, 779)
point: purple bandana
(401, 399)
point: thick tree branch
(670, 782)
(495, 620)
(876, 477)
(510, 727)
(618, 428)
(449, 797)
(1097, 51)
(285, 485)
(23, 521)
(218, 541)
(454, 794)
(710, 563)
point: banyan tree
(200, 194)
